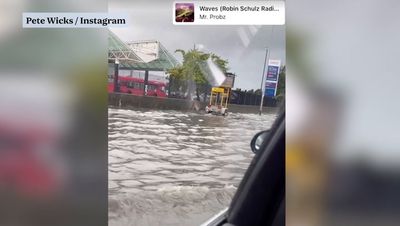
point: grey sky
(242, 46)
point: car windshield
(177, 157)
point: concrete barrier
(251, 109)
(127, 101)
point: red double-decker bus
(135, 86)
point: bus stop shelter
(142, 56)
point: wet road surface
(175, 168)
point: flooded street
(175, 168)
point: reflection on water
(174, 168)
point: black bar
(146, 79)
(116, 77)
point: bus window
(137, 85)
(130, 85)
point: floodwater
(175, 168)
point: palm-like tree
(190, 71)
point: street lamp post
(262, 80)
(116, 76)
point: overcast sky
(243, 46)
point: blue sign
(272, 73)
(269, 92)
(270, 85)
(272, 77)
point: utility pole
(262, 80)
(190, 82)
(145, 82)
(116, 76)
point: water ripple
(174, 168)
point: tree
(190, 73)
(280, 93)
(258, 92)
(176, 79)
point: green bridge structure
(141, 56)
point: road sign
(272, 77)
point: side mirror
(258, 140)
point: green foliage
(190, 71)
(177, 79)
(280, 93)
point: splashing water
(214, 75)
